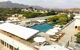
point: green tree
(52, 12)
(59, 19)
(62, 20)
(78, 37)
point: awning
(19, 31)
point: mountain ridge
(9, 4)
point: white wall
(14, 43)
(77, 22)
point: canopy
(19, 31)
(39, 39)
(52, 47)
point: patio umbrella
(54, 30)
(52, 47)
(39, 39)
(50, 32)
(58, 28)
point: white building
(77, 20)
(15, 37)
(13, 19)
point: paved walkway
(69, 32)
(69, 36)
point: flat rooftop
(20, 31)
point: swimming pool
(42, 27)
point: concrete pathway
(69, 36)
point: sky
(49, 3)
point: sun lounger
(52, 39)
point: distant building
(15, 18)
(35, 10)
(25, 10)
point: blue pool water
(42, 27)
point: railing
(68, 24)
